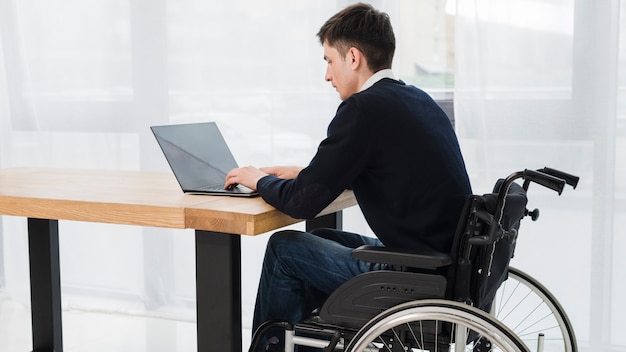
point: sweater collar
(385, 73)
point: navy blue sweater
(397, 150)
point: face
(340, 72)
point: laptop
(199, 157)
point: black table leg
(45, 284)
(218, 291)
(332, 221)
(218, 286)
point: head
(362, 38)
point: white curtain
(536, 84)
(540, 83)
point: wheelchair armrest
(421, 259)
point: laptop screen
(197, 153)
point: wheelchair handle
(554, 183)
(569, 179)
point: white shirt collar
(384, 73)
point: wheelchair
(465, 300)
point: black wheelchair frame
(453, 292)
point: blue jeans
(302, 269)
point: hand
(247, 176)
(287, 172)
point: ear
(355, 58)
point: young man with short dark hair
(389, 142)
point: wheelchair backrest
(480, 269)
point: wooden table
(45, 196)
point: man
(389, 142)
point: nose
(328, 77)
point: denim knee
(284, 238)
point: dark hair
(365, 28)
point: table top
(136, 198)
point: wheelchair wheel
(435, 326)
(529, 309)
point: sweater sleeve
(339, 159)
(303, 202)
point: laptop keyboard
(215, 187)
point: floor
(99, 332)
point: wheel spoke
(528, 308)
(436, 320)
